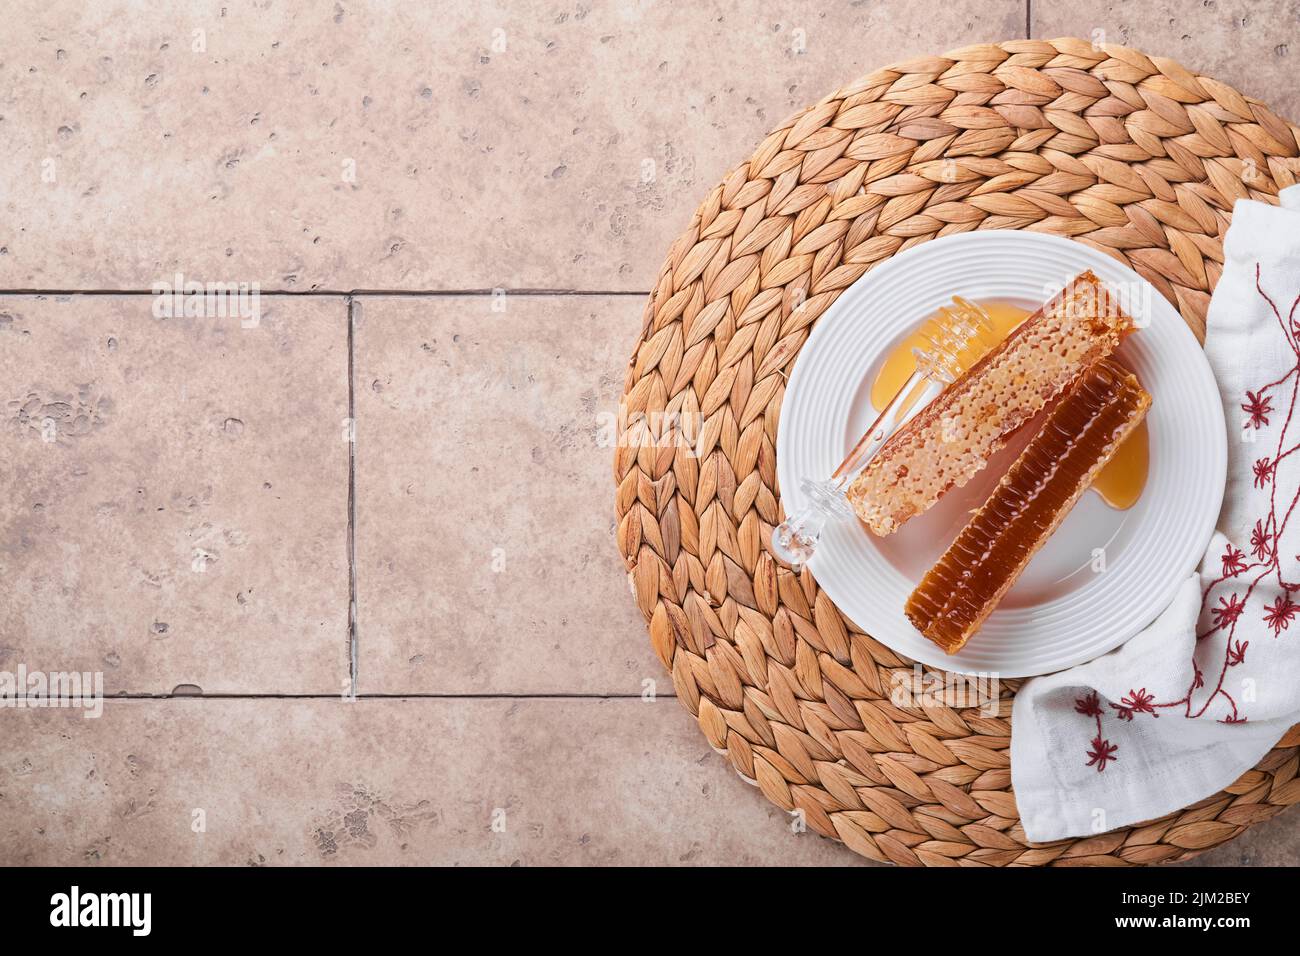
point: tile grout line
(353, 656)
(557, 695)
(350, 294)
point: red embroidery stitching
(1258, 408)
(1101, 752)
(1278, 616)
(1260, 542)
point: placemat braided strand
(1130, 153)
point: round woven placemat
(1130, 153)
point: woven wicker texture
(1130, 153)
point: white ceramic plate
(1061, 612)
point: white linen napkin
(1187, 706)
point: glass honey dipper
(955, 338)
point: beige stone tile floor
(174, 494)
(201, 474)
(532, 144)
(564, 781)
(483, 494)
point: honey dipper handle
(902, 407)
(956, 329)
(795, 539)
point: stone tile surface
(383, 782)
(526, 145)
(1252, 45)
(486, 560)
(173, 500)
